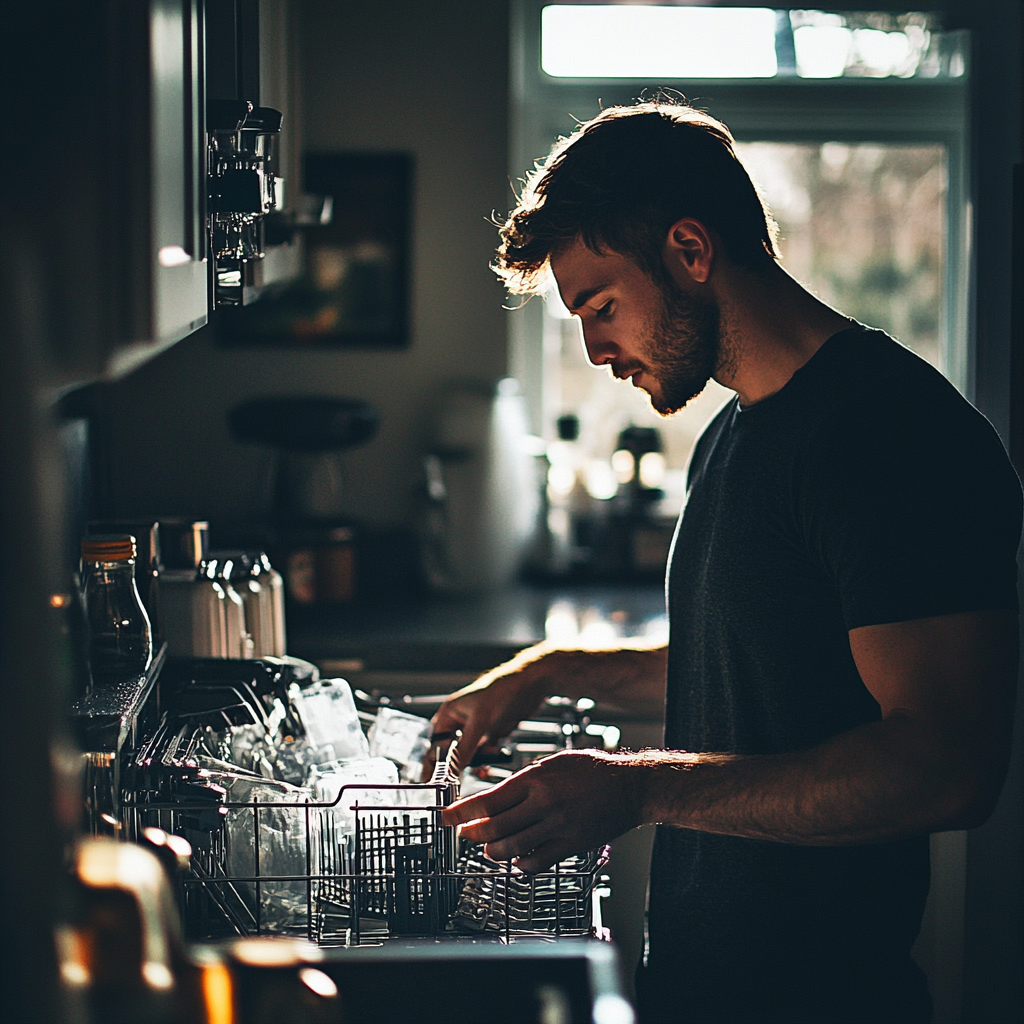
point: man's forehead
(580, 273)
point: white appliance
(481, 506)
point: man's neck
(770, 327)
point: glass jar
(120, 636)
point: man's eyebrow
(584, 296)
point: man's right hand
(628, 674)
(491, 707)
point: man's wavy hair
(620, 181)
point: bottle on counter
(227, 569)
(273, 586)
(193, 604)
(120, 635)
(261, 589)
(148, 562)
(643, 536)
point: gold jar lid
(108, 547)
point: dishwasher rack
(398, 871)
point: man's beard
(683, 348)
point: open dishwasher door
(574, 981)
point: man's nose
(596, 350)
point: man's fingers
(446, 721)
(525, 842)
(485, 805)
(471, 738)
(542, 858)
(501, 826)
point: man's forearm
(628, 676)
(623, 676)
(879, 782)
(935, 761)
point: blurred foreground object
(123, 951)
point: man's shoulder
(866, 365)
(889, 422)
(874, 388)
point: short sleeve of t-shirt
(911, 504)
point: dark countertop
(435, 633)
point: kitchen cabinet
(166, 161)
(111, 214)
(110, 192)
(163, 169)
(107, 219)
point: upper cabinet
(166, 165)
(125, 201)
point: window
(683, 42)
(863, 225)
(858, 150)
(619, 41)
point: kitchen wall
(426, 78)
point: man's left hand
(565, 804)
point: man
(841, 596)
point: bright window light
(865, 45)
(822, 51)
(620, 41)
(884, 53)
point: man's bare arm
(935, 761)
(628, 676)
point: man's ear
(690, 250)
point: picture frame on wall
(354, 288)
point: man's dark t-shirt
(866, 491)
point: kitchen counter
(468, 634)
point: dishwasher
(221, 752)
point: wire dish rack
(349, 872)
